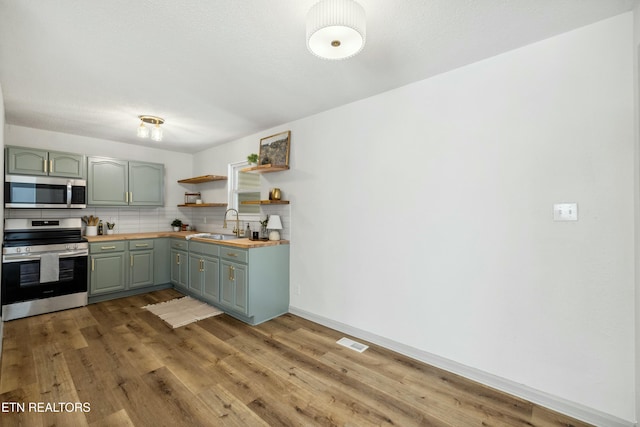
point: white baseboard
(549, 401)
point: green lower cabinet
(204, 271)
(141, 264)
(195, 273)
(126, 267)
(161, 253)
(211, 279)
(249, 284)
(107, 273)
(140, 269)
(204, 276)
(180, 268)
(233, 284)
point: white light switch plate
(565, 212)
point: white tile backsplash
(140, 220)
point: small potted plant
(252, 159)
(176, 224)
(110, 227)
(263, 227)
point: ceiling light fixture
(336, 29)
(156, 131)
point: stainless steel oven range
(44, 266)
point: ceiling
(218, 70)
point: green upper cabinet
(107, 182)
(29, 161)
(146, 184)
(113, 182)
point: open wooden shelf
(266, 202)
(203, 205)
(201, 179)
(265, 168)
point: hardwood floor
(130, 369)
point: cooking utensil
(90, 220)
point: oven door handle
(75, 253)
(23, 257)
(18, 258)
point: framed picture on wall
(274, 149)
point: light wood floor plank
(117, 419)
(18, 367)
(134, 370)
(91, 380)
(229, 409)
(56, 386)
(179, 401)
(19, 418)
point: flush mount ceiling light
(156, 131)
(336, 29)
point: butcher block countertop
(238, 243)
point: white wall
(424, 215)
(177, 166)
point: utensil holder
(91, 230)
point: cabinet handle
(107, 247)
(130, 197)
(50, 166)
(44, 165)
(230, 254)
(178, 259)
(232, 275)
(200, 265)
(141, 245)
(131, 260)
(126, 197)
(93, 264)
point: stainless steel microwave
(44, 192)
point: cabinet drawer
(105, 247)
(137, 245)
(237, 255)
(204, 248)
(179, 244)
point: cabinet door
(66, 164)
(161, 253)
(107, 273)
(179, 270)
(146, 184)
(140, 269)
(195, 273)
(233, 286)
(107, 182)
(211, 279)
(26, 161)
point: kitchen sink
(220, 237)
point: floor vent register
(353, 345)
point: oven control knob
(27, 249)
(18, 250)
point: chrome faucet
(236, 230)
